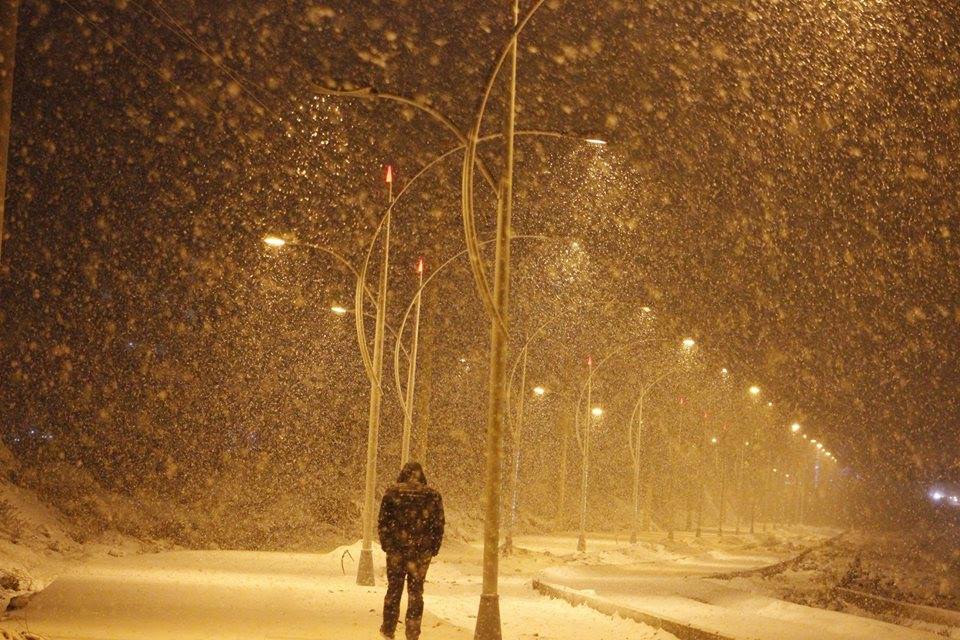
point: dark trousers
(413, 569)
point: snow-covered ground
(223, 594)
(108, 587)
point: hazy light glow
(754, 390)
(795, 427)
(337, 309)
(596, 142)
(689, 343)
(597, 412)
(274, 241)
(539, 391)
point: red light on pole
(388, 178)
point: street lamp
(754, 390)
(274, 241)
(517, 440)
(337, 309)
(689, 343)
(495, 298)
(795, 427)
(594, 415)
(596, 142)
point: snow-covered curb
(679, 629)
(772, 569)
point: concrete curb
(681, 630)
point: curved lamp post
(583, 439)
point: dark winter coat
(411, 515)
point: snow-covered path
(227, 594)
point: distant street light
(539, 391)
(596, 142)
(754, 390)
(795, 427)
(597, 412)
(340, 311)
(274, 241)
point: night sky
(781, 183)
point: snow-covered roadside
(670, 580)
(37, 542)
(908, 566)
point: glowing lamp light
(420, 266)
(274, 241)
(795, 427)
(539, 391)
(754, 390)
(724, 371)
(597, 412)
(337, 309)
(819, 445)
(388, 177)
(689, 343)
(813, 442)
(714, 440)
(597, 142)
(937, 496)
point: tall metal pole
(411, 373)
(723, 487)
(585, 467)
(562, 499)
(488, 615)
(635, 530)
(365, 573)
(517, 436)
(8, 40)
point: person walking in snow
(410, 526)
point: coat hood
(412, 472)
